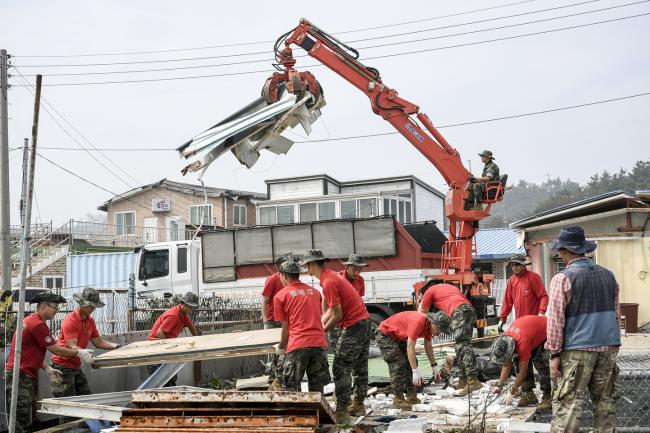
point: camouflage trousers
(463, 320)
(25, 400)
(394, 354)
(582, 369)
(310, 360)
(539, 360)
(274, 369)
(74, 383)
(333, 336)
(351, 362)
(151, 369)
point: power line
(135, 71)
(367, 58)
(239, 44)
(266, 52)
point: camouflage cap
(88, 297)
(48, 297)
(283, 258)
(502, 349)
(190, 299)
(519, 258)
(355, 260)
(441, 320)
(487, 153)
(312, 256)
(291, 266)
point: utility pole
(24, 260)
(5, 228)
(23, 190)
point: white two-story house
(321, 197)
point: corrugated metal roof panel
(498, 243)
(100, 271)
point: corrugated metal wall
(101, 271)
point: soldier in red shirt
(36, 341)
(524, 340)
(448, 299)
(345, 309)
(172, 322)
(77, 330)
(396, 338)
(352, 273)
(272, 286)
(303, 342)
(525, 290)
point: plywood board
(192, 348)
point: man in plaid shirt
(583, 335)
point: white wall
(333, 188)
(376, 187)
(290, 190)
(429, 206)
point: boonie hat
(88, 297)
(355, 260)
(283, 258)
(190, 299)
(487, 153)
(573, 239)
(312, 256)
(519, 258)
(48, 297)
(441, 320)
(502, 349)
(291, 266)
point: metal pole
(5, 228)
(24, 259)
(23, 190)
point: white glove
(54, 375)
(436, 374)
(86, 356)
(507, 398)
(417, 377)
(267, 325)
(278, 351)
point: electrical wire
(247, 62)
(267, 71)
(239, 44)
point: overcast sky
(452, 85)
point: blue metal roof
(497, 244)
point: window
(285, 214)
(399, 206)
(307, 212)
(239, 215)
(326, 211)
(348, 208)
(176, 229)
(367, 207)
(559, 265)
(268, 215)
(154, 264)
(181, 261)
(54, 283)
(201, 215)
(125, 222)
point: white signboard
(161, 205)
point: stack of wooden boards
(248, 343)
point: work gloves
(86, 356)
(54, 375)
(417, 377)
(507, 398)
(437, 378)
(500, 328)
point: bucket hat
(88, 297)
(312, 256)
(441, 320)
(190, 299)
(291, 266)
(355, 260)
(519, 258)
(487, 153)
(573, 239)
(48, 297)
(502, 349)
(283, 258)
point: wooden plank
(234, 344)
(253, 382)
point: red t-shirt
(171, 322)
(36, 337)
(529, 332)
(405, 325)
(445, 297)
(526, 293)
(300, 306)
(358, 283)
(339, 291)
(75, 328)
(272, 286)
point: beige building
(619, 223)
(168, 210)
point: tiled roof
(495, 244)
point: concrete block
(410, 425)
(527, 427)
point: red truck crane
(407, 118)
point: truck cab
(168, 268)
